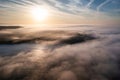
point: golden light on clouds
(39, 13)
(59, 12)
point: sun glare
(39, 13)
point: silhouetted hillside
(60, 37)
(9, 27)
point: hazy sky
(61, 11)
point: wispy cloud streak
(89, 4)
(102, 4)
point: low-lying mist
(92, 54)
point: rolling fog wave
(88, 54)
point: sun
(39, 13)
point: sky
(61, 11)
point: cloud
(102, 4)
(96, 60)
(89, 4)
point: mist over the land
(66, 53)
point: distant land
(9, 27)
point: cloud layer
(92, 60)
